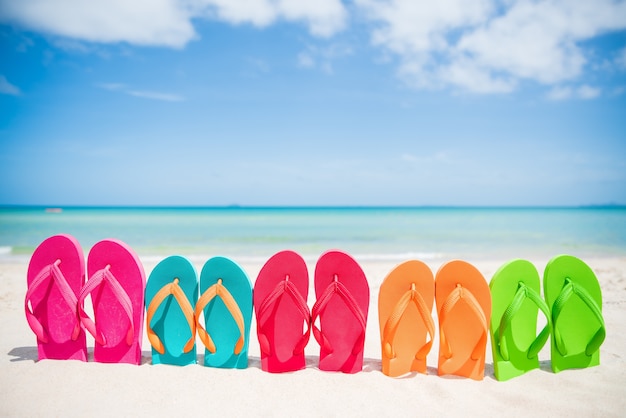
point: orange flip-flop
(464, 310)
(407, 329)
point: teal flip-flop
(171, 294)
(516, 302)
(226, 301)
(573, 294)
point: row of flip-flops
(506, 311)
(176, 300)
(56, 293)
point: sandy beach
(73, 389)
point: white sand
(70, 388)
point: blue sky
(293, 102)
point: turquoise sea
(367, 233)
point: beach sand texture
(73, 389)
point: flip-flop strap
(50, 271)
(391, 326)
(284, 286)
(523, 293)
(569, 289)
(337, 288)
(175, 290)
(105, 276)
(218, 289)
(458, 294)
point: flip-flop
(280, 306)
(226, 301)
(171, 294)
(56, 273)
(342, 302)
(516, 302)
(116, 284)
(407, 329)
(464, 310)
(573, 294)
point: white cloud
(140, 22)
(164, 22)
(585, 92)
(489, 46)
(560, 93)
(476, 77)
(411, 27)
(146, 94)
(72, 45)
(8, 88)
(409, 157)
(620, 59)
(588, 92)
(305, 60)
(483, 46)
(323, 57)
(154, 95)
(323, 17)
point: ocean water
(367, 233)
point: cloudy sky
(326, 102)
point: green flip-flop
(226, 302)
(573, 294)
(171, 294)
(515, 344)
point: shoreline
(72, 388)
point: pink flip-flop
(56, 273)
(279, 296)
(343, 297)
(116, 284)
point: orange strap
(458, 294)
(175, 290)
(391, 326)
(219, 290)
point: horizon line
(237, 206)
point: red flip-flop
(56, 273)
(280, 295)
(343, 297)
(116, 284)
